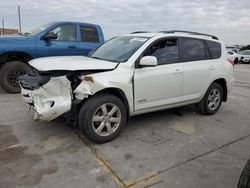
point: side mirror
(49, 36)
(148, 61)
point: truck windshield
(39, 29)
(119, 49)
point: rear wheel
(102, 118)
(212, 100)
(9, 74)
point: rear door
(90, 38)
(198, 68)
(65, 44)
(161, 85)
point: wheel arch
(15, 56)
(116, 92)
(223, 84)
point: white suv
(129, 75)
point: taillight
(230, 61)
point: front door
(161, 85)
(65, 44)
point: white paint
(57, 91)
(148, 61)
(70, 63)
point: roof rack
(190, 32)
(179, 31)
(140, 32)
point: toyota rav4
(129, 75)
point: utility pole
(19, 16)
(3, 26)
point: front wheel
(102, 118)
(212, 100)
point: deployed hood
(71, 63)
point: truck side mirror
(49, 36)
(148, 61)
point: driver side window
(66, 32)
(166, 51)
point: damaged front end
(50, 88)
(49, 96)
(54, 93)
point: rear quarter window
(214, 49)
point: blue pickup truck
(51, 39)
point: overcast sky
(228, 19)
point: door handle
(177, 71)
(211, 67)
(72, 47)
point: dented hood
(71, 63)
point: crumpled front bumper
(51, 99)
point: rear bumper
(50, 100)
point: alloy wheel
(214, 99)
(106, 119)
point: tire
(9, 74)
(244, 181)
(212, 100)
(96, 106)
(236, 61)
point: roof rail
(190, 32)
(140, 32)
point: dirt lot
(161, 149)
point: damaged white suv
(129, 75)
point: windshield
(119, 49)
(39, 29)
(246, 52)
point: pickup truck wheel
(102, 118)
(212, 100)
(244, 181)
(9, 74)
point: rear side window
(192, 49)
(89, 34)
(214, 49)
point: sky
(227, 19)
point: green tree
(245, 47)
